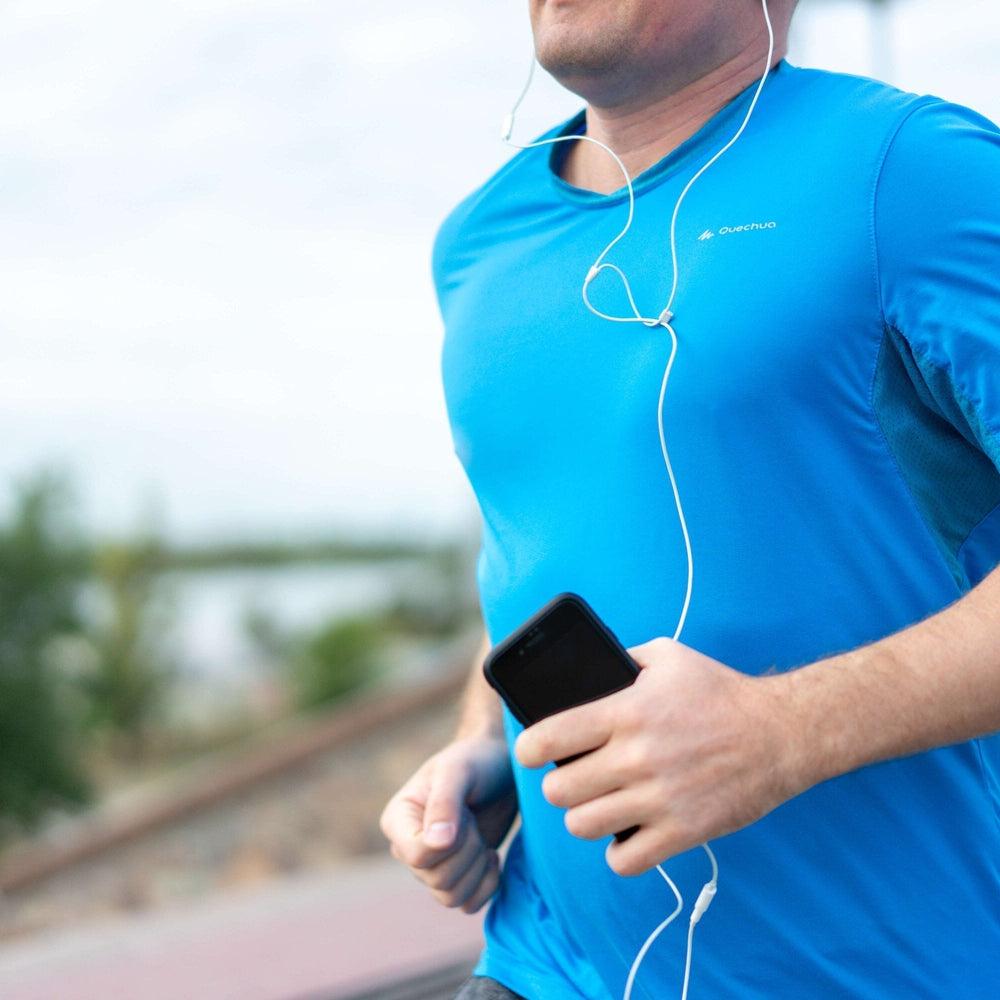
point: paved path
(326, 935)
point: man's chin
(578, 67)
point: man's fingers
(468, 885)
(604, 816)
(488, 885)
(435, 823)
(450, 869)
(589, 777)
(446, 796)
(648, 846)
(468, 875)
(424, 820)
(656, 651)
(403, 818)
(567, 734)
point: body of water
(209, 608)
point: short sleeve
(937, 233)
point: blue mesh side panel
(940, 448)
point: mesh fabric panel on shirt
(938, 444)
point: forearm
(695, 750)
(933, 684)
(480, 713)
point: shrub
(338, 659)
(41, 568)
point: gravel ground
(310, 819)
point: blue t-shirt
(833, 419)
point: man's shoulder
(852, 118)
(841, 98)
(502, 197)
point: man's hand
(691, 751)
(447, 821)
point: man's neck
(642, 134)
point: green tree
(340, 657)
(41, 568)
(131, 671)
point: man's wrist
(848, 712)
(481, 714)
(817, 724)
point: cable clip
(665, 317)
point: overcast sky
(215, 227)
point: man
(833, 419)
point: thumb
(445, 803)
(656, 651)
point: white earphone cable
(664, 319)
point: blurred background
(236, 550)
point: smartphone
(561, 657)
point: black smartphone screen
(561, 657)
